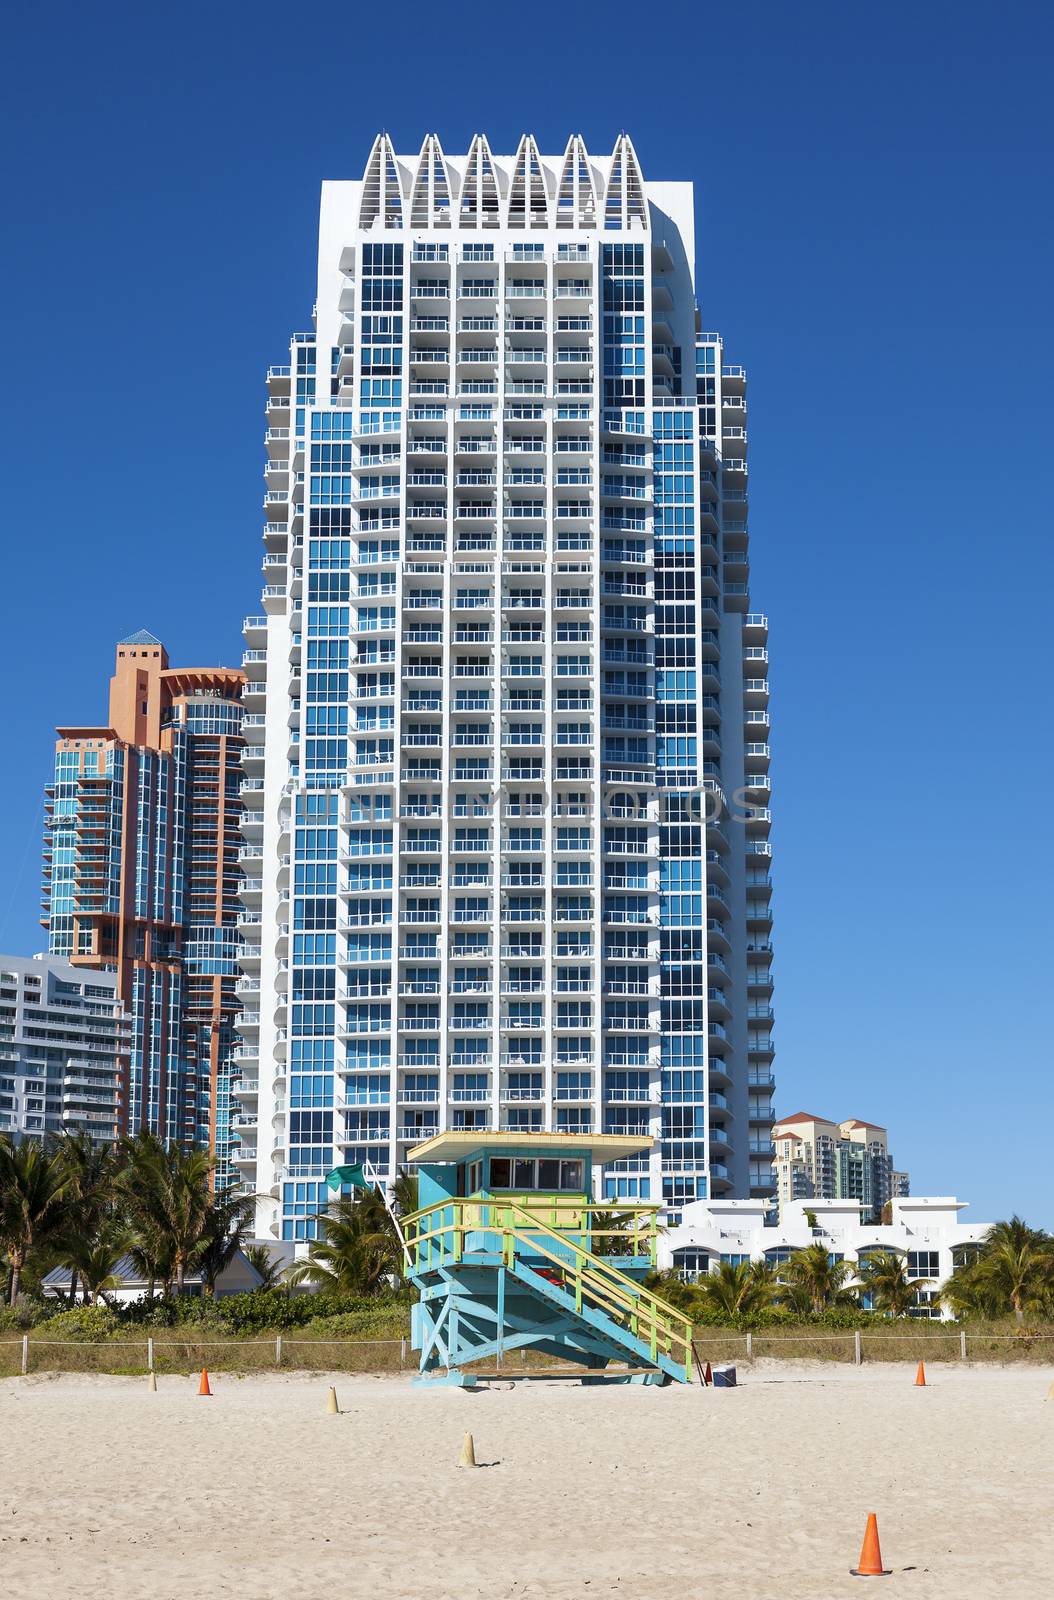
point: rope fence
(180, 1355)
(858, 1345)
(289, 1353)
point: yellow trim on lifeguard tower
(455, 1146)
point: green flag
(353, 1175)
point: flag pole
(369, 1172)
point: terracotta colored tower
(141, 878)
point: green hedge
(28, 1313)
(266, 1309)
(261, 1311)
(838, 1318)
(81, 1325)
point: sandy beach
(107, 1489)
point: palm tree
(33, 1188)
(764, 1284)
(357, 1250)
(91, 1197)
(150, 1248)
(884, 1277)
(613, 1233)
(94, 1258)
(793, 1296)
(737, 1288)
(150, 1252)
(673, 1289)
(821, 1277)
(405, 1193)
(1014, 1271)
(270, 1271)
(169, 1195)
(230, 1223)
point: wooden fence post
(150, 1354)
(962, 1344)
(750, 1347)
(278, 1350)
(402, 1351)
(857, 1354)
(25, 1354)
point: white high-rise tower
(507, 734)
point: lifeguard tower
(508, 1251)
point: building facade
(510, 805)
(926, 1231)
(130, 1286)
(142, 880)
(63, 1050)
(816, 1159)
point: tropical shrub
(81, 1324)
(24, 1315)
(33, 1195)
(884, 1277)
(1012, 1274)
(356, 1252)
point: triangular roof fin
(576, 197)
(430, 201)
(480, 207)
(382, 198)
(626, 205)
(529, 195)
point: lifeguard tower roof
(455, 1146)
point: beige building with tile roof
(821, 1160)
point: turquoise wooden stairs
(494, 1277)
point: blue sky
(875, 243)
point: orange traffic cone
(708, 1375)
(871, 1553)
(203, 1386)
(920, 1377)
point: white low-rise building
(130, 1285)
(926, 1230)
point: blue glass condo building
(508, 808)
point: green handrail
(614, 1289)
(559, 1211)
(592, 1279)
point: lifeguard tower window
(545, 1174)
